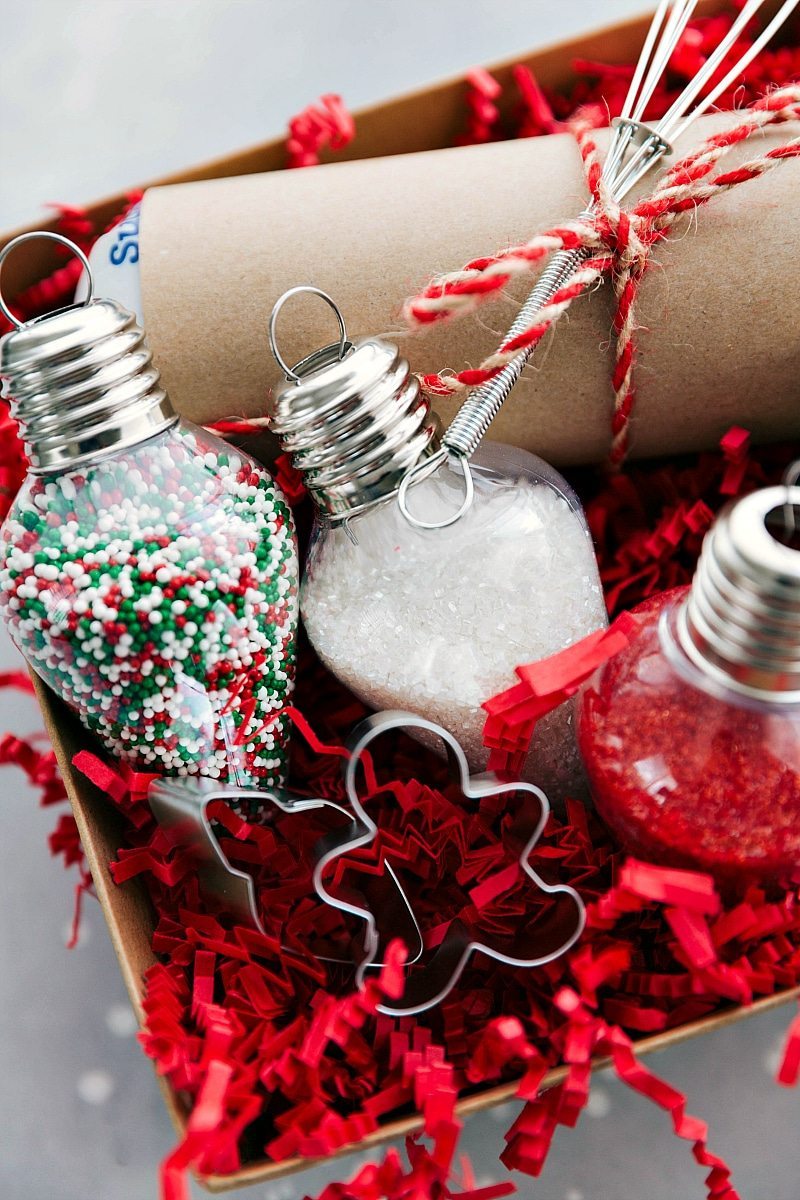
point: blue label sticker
(125, 246)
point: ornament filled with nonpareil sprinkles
(148, 571)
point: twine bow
(619, 243)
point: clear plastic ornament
(691, 733)
(433, 620)
(148, 570)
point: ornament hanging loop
(423, 470)
(790, 477)
(50, 237)
(344, 345)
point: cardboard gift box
(428, 119)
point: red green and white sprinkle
(156, 593)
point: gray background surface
(95, 95)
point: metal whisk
(635, 148)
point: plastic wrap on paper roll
(720, 302)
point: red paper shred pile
(275, 1052)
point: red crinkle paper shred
(281, 1060)
(482, 111)
(273, 1051)
(324, 125)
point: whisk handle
(483, 404)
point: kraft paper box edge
(427, 118)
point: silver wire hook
(790, 478)
(422, 470)
(273, 321)
(50, 237)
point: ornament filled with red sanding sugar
(431, 614)
(148, 570)
(691, 733)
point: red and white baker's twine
(620, 242)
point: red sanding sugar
(685, 778)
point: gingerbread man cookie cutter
(180, 806)
(429, 984)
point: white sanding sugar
(435, 622)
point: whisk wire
(631, 108)
(678, 118)
(740, 66)
(690, 97)
(661, 33)
(682, 11)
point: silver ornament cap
(80, 381)
(740, 623)
(353, 418)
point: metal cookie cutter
(428, 984)
(181, 807)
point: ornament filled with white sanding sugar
(432, 620)
(148, 570)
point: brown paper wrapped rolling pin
(721, 315)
